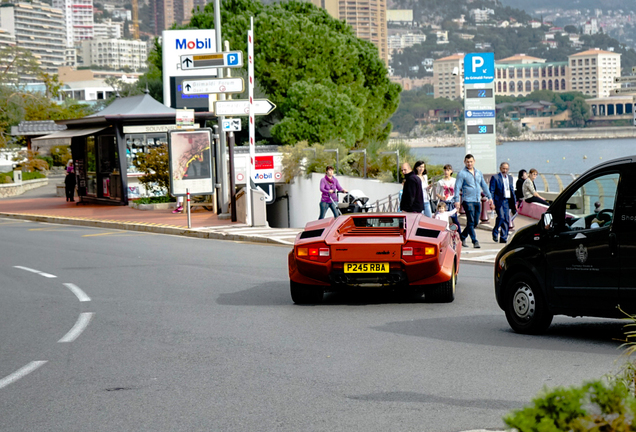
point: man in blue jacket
(501, 190)
(470, 182)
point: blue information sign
(479, 68)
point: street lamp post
(397, 161)
(365, 160)
(337, 157)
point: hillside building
(368, 18)
(38, 27)
(115, 54)
(168, 12)
(108, 29)
(520, 75)
(448, 77)
(593, 72)
(78, 19)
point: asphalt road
(150, 332)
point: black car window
(591, 206)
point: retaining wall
(11, 189)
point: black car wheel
(305, 294)
(526, 309)
(444, 292)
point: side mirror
(547, 221)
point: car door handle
(612, 243)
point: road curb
(130, 226)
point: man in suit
(501, 190)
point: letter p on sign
(477, 62)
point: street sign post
(626, 90)
(228, 59)
(220, 85)
(232, 125)
(625, 79)
(241, 107)
(479, 110)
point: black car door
(626, 239)
(582, 260)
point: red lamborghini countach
(403, 250)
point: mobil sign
(174, 44)
(268, 167)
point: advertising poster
(191, 162)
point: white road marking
(46, 275)
(78, 328)
(20, 373)
(81, 295)
(464, 251)
(484, 258)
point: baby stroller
(354, 201)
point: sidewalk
(42, 205)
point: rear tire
(526, 309)
(444, 292)
(305, 294)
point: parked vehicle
(399, 250)
(580, 258)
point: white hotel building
(115, 54)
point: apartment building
(38, 27)
(404, 40)
(521, 74)
(115, 54)
(593, 72)
(448, 77)
(108, 29)
(78, 19)
(168, 12)
(366, 17)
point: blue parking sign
(231, 59)
(479, 68)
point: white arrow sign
(241, 107)
(269, 193)
(221, 85)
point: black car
(580, 258)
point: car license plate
(366, 267)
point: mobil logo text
(264, 176)
(183, 44)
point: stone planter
(160, 206)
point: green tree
(318, 113)
(581, 111)
(295, 42)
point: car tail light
(314, 252)
(417, 251)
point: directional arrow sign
(221, 85)
(241, 107)
(627, 90)
(625, 79)
(270, 191)
(230, 59)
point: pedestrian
(442, 214)
(420, 169)
(501, 190)
(70, 181)
(470, 183)
(329, 187)
(179, 208)
(530, 193)
(445, 190)
(412, 198)
(523, 175)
